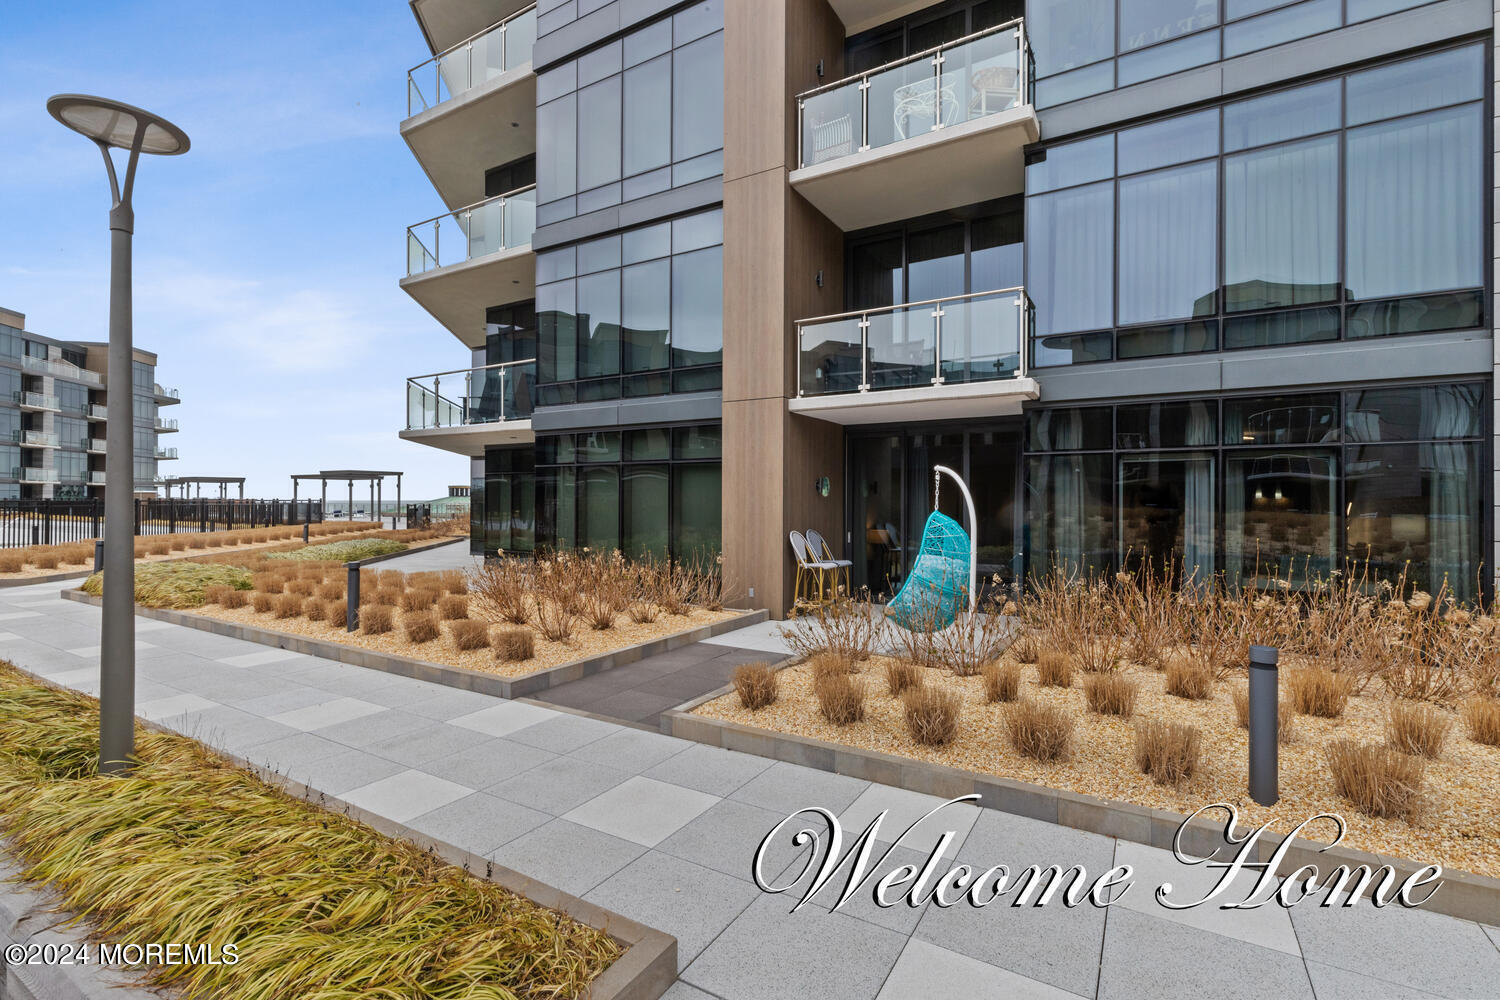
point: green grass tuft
(350, 551)
(176, 584)
(318, 906)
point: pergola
(186, 481)
(375, 477)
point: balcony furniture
(917, 99)
(809, 568)
(993, 88)
(820, 550)
(832, 139)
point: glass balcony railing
(38, 439)
(31, 474)
(98, 411)
(96, 478)
(37, 401)
(965, 338)
(164, 392)
(497, 49)
(982, 74)
(471, 396)
(61, 369)
(164, 424)
(503, 222)
(95, 445)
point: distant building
(53, 396)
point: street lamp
(111, 124)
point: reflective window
(634, 117)
(1168, 254)
(1281, 226)
(1287, 114)
(1176, 140)
(1070, 258)
(1146, 22)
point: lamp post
(111, 124)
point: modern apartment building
(1209, 283)
(52, 416)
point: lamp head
(115, 124)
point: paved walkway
(664, 831)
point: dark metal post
(1263, 725)
(98, 555)
(304, 532)
(351, 616)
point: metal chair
(809, 567)
(820, 548)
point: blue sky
(267, 257)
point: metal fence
(51, 522)
(419, 515)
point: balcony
(37, 402)
(164, 426)
(472, 106)
(166, 454)
(96, 479)
(61, 369)
(165, 396)
(30, 474)
(94, 446)
(98, 411)
(933, 131)
(445, 23)
(951, 358)
(461, 263)
(38, 439)
(466, 410)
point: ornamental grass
(319, 906)
(176, 584)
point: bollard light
(351, 605)
(98, 555)
(1263, 725)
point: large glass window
(1323, 216)
(1079, 50)
(1393, 476)
(635, 314)
(633, 117)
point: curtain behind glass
(1414, 215)
(1168, 256)
(1070, 256)
(1281, 225)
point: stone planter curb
(438, 673)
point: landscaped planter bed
(585, 643)
(195, 849)
(1463, 783)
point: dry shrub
(1315, 691)
(336, 613)
(418, 599)
(932, 715)
(850, 628)
(301, 587)
(453, 581)
(315, 609)
(825, 664)
(214, 594)
(469, 634)
(453, 607)
(376, 619)
(1167, 751)
(841, 698)
(421, 627)
(755, 683)
(11, 562)
(1026, 646)
(1189, 677)
(603, 584)
(1039, 731)
(1111, 694)
(1417, 728)
(501, 590)
(45, 560)
(394, 579)
(1286, 714)
(1054, 669)
(177, 543)
(902, 675)
(288, 606)
(515, 644)
(331, 591)
(1002, 681)
(234, 599)
(974, 639)
(1482, 720)
(199, 541)
(1379, 780)
(268, 583)
(263, 602)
